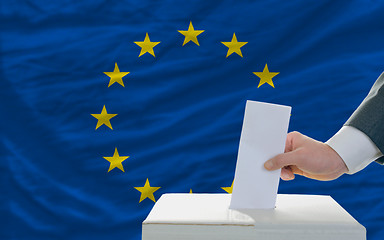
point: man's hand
(307, 157)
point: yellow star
(116, 161)
(147, 191)
(147, 46)
(116, 76)
(191, 34)
(103, 118)
(266, 76)
(228, 189)
(234, 46)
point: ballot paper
(263, 136)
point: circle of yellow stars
(147, 46)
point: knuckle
(294, 134)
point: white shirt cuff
(354, 147)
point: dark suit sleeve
(369, 116)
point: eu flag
(106, 105)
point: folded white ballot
(263, 136)
(208, 217)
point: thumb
(282, 160)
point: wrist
(354, 147)
(339, 165)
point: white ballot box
(208, 217)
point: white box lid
(213, 209)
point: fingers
(296, 170)
(283, 160)
(288, 143)
(292, 137)
(287, 174)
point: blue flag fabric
(180, 112)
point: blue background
(179, 115)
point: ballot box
(208, 217)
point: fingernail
(268, 165)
